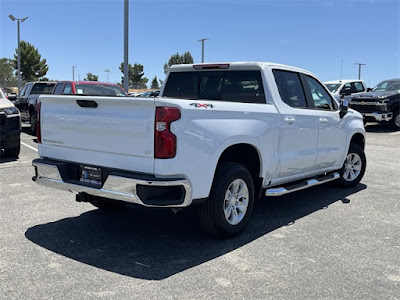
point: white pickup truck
(220, 135)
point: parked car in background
(381, 104)
(135, 94)
(150, 94)
(345, 87)
(8, 93)
(27, 99)
(88, 88)
(10, 127)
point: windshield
(43, 88)
(332, 87)
(387, 86)
(99, 90)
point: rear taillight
(164, 139)
(38, 131)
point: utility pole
(73, 73)
(19, 48)
(359, 69)
(202, 48)
(107, 71)
(341, 69)
(126, 43)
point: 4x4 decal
(200, 105)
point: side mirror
(344, 108)
(369, 89)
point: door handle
(87, 103)
(290, 120)
(323, 120)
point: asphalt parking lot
(320, 243)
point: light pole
(126, 43)
(202, 48)
(359, 69)
(19, 49)
(73, 73)
(107, 71)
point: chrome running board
(278, 191)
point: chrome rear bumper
(115, 187)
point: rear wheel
(106, 204)
(353, 168)
(231, 201)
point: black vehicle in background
(10, 127)
(27, 98)
(381, 104)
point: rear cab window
(230, 86)
(42, 88)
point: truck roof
(342, 81)
(233, 66)
(87, 82)
(44, 82)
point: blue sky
(324, 37)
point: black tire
(395, 121)
(33, 121)
(106, 204)
(355, 160)
(212, 212)
(13, 152)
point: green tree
(91, 77)
(32, 66)
(135, 76)
(154, 83)
(177, 59)
(7, 77)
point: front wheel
(353, 168)
(395, 122)
(231, 201)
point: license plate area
(92, 176)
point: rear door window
(290, 88)
(231, 86)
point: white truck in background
(220, 136)
(344, 88)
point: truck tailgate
(101, 131)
